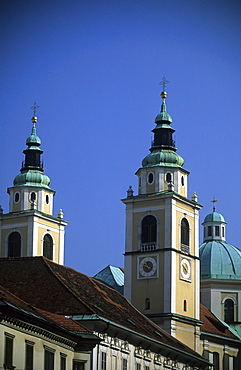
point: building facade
(29, 228)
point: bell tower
(30, 229)
(161, 248)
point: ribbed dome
(220, 260)
(33, 139)
(214, 216)
(32, 178)
(167, 158)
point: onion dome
(219, 260)
(163, 151)
(32, 167)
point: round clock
(185, 268)
(147, 266)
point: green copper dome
(33, 139)
(32, 178)
(166, 158)
(220, 260)
(163, 115)
(214, 217)
(32, 172)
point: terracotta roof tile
(62, 290)
(212, 325)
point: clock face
(185, 269)
(147, 267)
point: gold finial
(214, 205)
(34, 119)
(163, 82)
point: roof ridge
(47, 262)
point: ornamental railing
(148, 247)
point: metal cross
(34, 108)
(163, 82)
(214, 205)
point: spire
(163, 150)
(32, 167)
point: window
(124, 364)
(150, 178)
(223, 231)
(29, 355)
(48, 247)
(47, 199)
(78, 365)
(184, 232)
(168, 177)
(217, 231)
(147, 367)
(14, 245)
(33, 196)
(229, 310)
(147, 304)
(182, 181)
(138, 366)
(16, 197)
(8, 354)
(185, 305)
(63, 361)
(48, 359)
(103, 361)
(148, 229)
(209, 230)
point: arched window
(48, 247)
(184, 232)
(147, 303)
(148, 229)
(14, 245)
(229, 310)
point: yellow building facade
(29, 228)
(162, 226)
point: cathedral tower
(30, 229)
(161, 252)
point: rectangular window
(124, 364)
(79, 366)
(222, 231)
(209, 230)
(138, 366)
(147, 367)
(8, 355)
(103, 361)
(217, 231)
(62, 361)
(48, 359)
(29, 355)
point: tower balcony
(148, 247)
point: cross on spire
(34, 108)
(214, 205)
(163, 82)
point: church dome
(167, 158)
(220, 260)
(214, 216)
(32, 178)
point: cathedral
(176, 304)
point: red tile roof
(62, 290)
(55, 319)
(212, 325)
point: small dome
(220, 260)
(163, 115)
(32, 178)
(33, 139)
(167, 158)
(214, 216)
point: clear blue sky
(93, 68)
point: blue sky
(94, 68)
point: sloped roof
(62, 290)
(213, 325)
(112, 276)
(11, 305)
